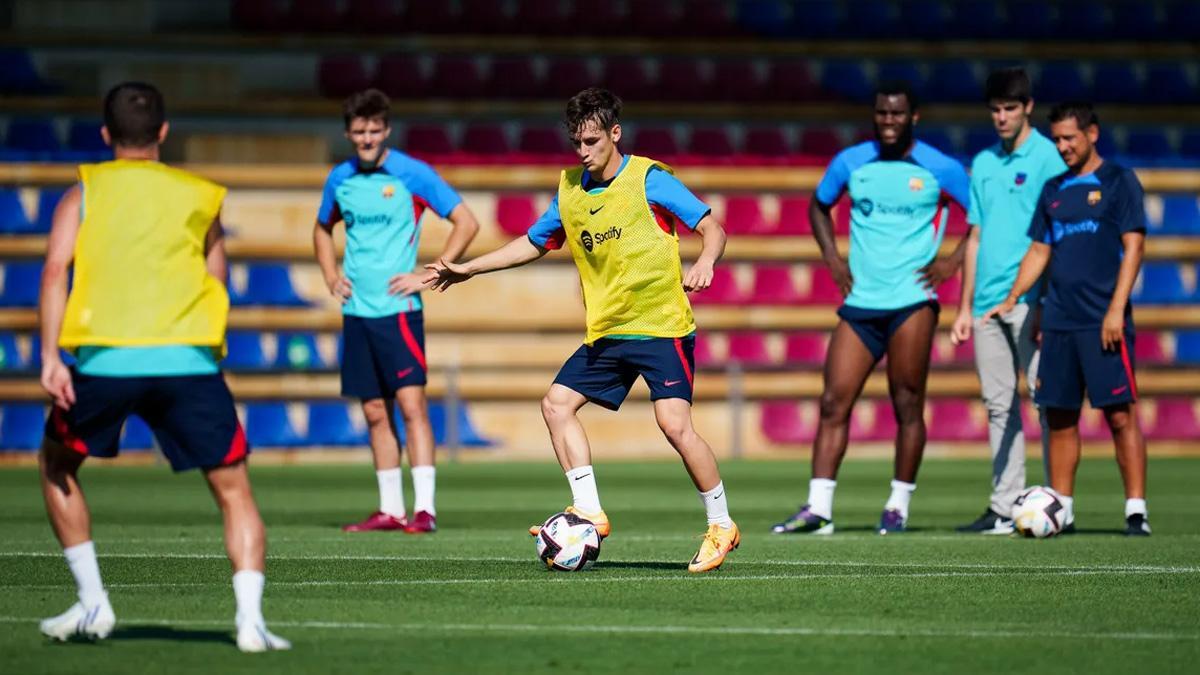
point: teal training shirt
(897, 221)
(1004, 192)
(161, 361)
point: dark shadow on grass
(1087, 531)
(169, 634)
(875, 528)
(634, 565)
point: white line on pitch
(763, 631)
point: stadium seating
(267, 425)
(1187, 347)
(373, 16)
(952, 420)
(1175, 418)
(245, 351)
(48, 199)
(297, 351)
(773, 285)
(21, 283)
(784, 422)
(330, 424)
(806, 349)
(515, 213)
(873, 421)
(13, 219)
(1161, 283)
(749, 349)
(401, 76)
(341, 75)
(723, 291)
(743, 215)
(136, 435)
(793, 216)
(268, 284)
(22, 426)
(10, 355)
(468, 435)
(1061, 81)
(847, 80)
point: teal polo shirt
(1005, 187)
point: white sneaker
(93, 623)
(254, 637)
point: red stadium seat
(873, 421)
(1030, 424)
(950, 291)
(682, 80)
(723, 291)
(791, 82)
(314, 16)
(749, 349)
(737, 81)
(401, 76)
(773, 285)
(485, 140)
(785, 422)
(657, 19)
(590, 18)
(549, 143)
(806, 349)
(1148, 349)
(823, 290)
(1093, 427)
(538, 17)
(841, 217)
(956, 222)
(514, 77)
(951, 420)
(793, 216)
(485, 17)
(566, 77)
(258, 15)
(702, 352)
(766, 143)
(456, 77)
(341, 75)
(515, 213)
(430, 17)
(629, 78)
(1175, 418)
(711, 143)
(820, 142)
(709, 18)
(658, 143)
(374, 16)
(743, 215)
(426, 141)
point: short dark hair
(368, 103)
(898, 88)
(1008, 84)
(1083, 112)
(134, 114)
(593, 105)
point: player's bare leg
(674, 417)
(1131, 458)
(908, 373)
(246, 544)
(385, 451)
(418, 431)
(560, 410)
(1064, 456)
(92, 617)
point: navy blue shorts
(875, 327)
(1075, 361)
(605, 371)
(192, 416)
(381, 355)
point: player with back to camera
(379, 195)
(1089, 235)
(1006, 182)
(146, 318)
(899, 189)
(619, 215)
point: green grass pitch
(473, 599)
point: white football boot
(91, 623)
(253, 637)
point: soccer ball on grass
(1039, 512)
(568, 543)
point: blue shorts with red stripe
(380, 355)
(192, 416)
(606, 370)
(1074, 361)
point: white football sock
(1133, 506)
(424, 480)
(820, 497)
(1069, 508)
(583, 489)
(81, 558)
(248, 590)
(391, 492)
(716, 507)
(901, 496)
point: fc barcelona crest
(1093, 197)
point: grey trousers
(1003, 348)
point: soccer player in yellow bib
(146, 320)
(618, 214)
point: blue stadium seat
(1135, 20)
(977, 19)
(21, 283)
(1161, 284)
(34, 136)
(925, 19)
(136, 435)
(771, 18)
(847, 80)
(869, 19)
(271, 284)
(1081, 20)
(979, 138)
(1117, 82)
(13, 219)
(267, 425)
(1035, 19)
(1107, 144)
(906, 71)
(939, 138)
(468, 435)
(329, 424)
(18, 74)
(1151, 144)
(22, 426)
(1190, 146)
(1181, 214)
(10, 355)
(298, 351)
(1060, 81)
(814, 19)
(48, 199)
(245, 351)
(954, 82)
(84, 137)
(1183, 20)
(1187, 346)
(1167, 82)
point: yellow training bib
(629, 266)
(140, 274)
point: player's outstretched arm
(443, 274)
(337, 283)
(821, 220)
(960, 332)
(700, 276)
(1112, 331)
(464, 227)
(52, 303)
(1032, 265)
